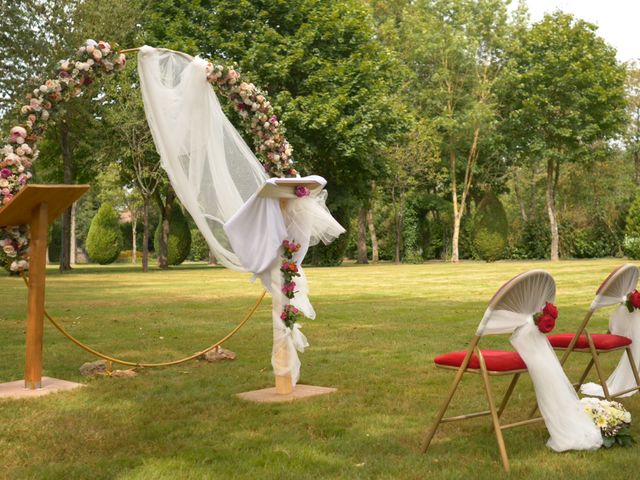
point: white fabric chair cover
(614, 291)
(512, 310)
(211, 168)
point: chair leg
(494, 414)
(584, 374)
(508, 393)
(596, 361)
(634, 366)
(437, 420)
(456, 381)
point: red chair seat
(496, 360)
(602, 341)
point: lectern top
(57, 197)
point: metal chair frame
(495, 413)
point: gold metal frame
(595, 359)
(494, 412)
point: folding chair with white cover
(511, 310)
(623, 335)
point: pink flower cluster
(289, 315)
(91, 61)
(255, 109)
(302, 191)
(289, 271)
(290, 247)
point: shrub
(632, 247)
(490, 229)
(632, 230)
(179, 243)
(199, 246)
(104, 241)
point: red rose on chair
(546, 323)
(546, 319)
(634, 299)
(550, 309)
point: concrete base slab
(15, 390)
(269, 395)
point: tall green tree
(454, 50)
(326, 73)
(563, 98)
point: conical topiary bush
(179, 243)
(490, 228)
(104, 241)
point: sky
(618, 20)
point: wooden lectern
(37, 206)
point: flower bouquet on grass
(612, 419)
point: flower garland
(633, 301)
(289, 271)
(255, 110)
(546, 319)
(612, 419)
(90, 62)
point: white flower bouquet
(612, 419)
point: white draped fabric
(512, 310)
(221, 183)
(306, 221)
(211, 168)
(614, 291)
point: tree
(104, 242)
(327, 75)
(563, 97)
(454, 50)
(413, 165)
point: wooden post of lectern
(284, 384)
(37, 206)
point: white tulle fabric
(614, 291)
(257, 242)
(211, 168)
(512, 310)
(220, 182)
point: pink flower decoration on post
(302, 191)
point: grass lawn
(377, 330)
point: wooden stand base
(270, 395)
(17, 389)
(284, 385)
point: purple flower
(273, 119)
(302, 191)
(5, 173)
